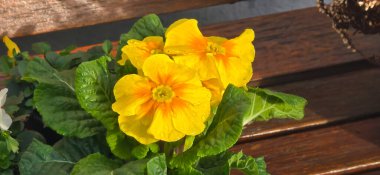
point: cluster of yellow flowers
(178, 80)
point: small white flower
(5, 119)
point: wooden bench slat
(346, 148)
(30, 17)
(331, 99)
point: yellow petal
(234, 71)
(123, 59)
(196, 96)
(159, 68)
(186, 118)
(217, 39)
(131, 91)
(11, 46)
(216, 88)
(137, 127)
(162, 126)
(137, 51)
(242, 46)
(184, 37)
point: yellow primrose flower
(166, 104)
(215, 57)
(138, 51)
(11, 46)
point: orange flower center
(215, 49)
(163, 93)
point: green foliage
(107, 46)
(157, 165)
(223, 163)
(98, 164)
(56, 101)
(248, 164)
(8, 148)
(61, 158)
(228, 120)
(94, 90)
(43, 159)
(267, 104)
(74, 149)
(26, 137)
(41, 47)
(61, 111)
(123, 146)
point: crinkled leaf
(122, 145)
(157, 165)
(74, 149)
(140, 151)
(228, 120)
(94, 88)
(61, 111)
(43, 159)
(248, 164)
(267, 104)
(56, 101)
(97, 164)
(26, 137)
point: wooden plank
(332, 99)
(341, 149)
(29, 17)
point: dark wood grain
(341, 149)
(331, 99)
(29, 17)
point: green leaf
(267, 104)
(94, 89)
(74, 149)
(26, 137)
(140, 151)
(137, 167)
(56, 101)
(222, 164)
(248, 164)
(39, 70)
(12, 144)
(67, 50)
(215, 165)
(97, 164)
(41, 47)
(61, 111)
(228, 120)
(107, 46)
(43, 159)
(157, 165)
(149, 25)
(5, 64)
(122, 145)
